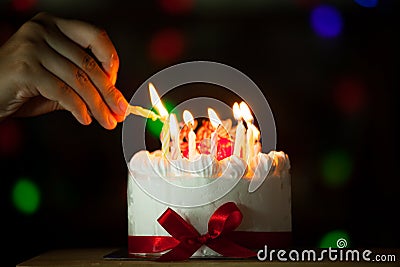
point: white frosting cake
(267, 209)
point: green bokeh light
(26, 196)
(154, 127)
(330, 239)
(336, 168)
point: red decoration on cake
(203, 134)
(185, 240)
(225, 148)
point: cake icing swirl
(206, 166)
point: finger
(97, 40)
(119, 118)
(56, 90)
(77, 79)
(112, 96)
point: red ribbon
(185, 240)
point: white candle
(165, 135)
(215, 122)
(213, 144)
(257, 144)
(250, 142)
(189, 121)
(174, 130)
(240, 145)
(250, 131)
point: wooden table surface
(94, 257)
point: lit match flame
(156, 102)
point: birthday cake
(178, 224)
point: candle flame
(212, 115)
(188, 118)
(246, 112)
(156, 102)
(256, 133)
(173, 125)
(236, 111)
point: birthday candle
(257, 144)
(189, 121)
(240, 144)
(250, 131)
(215, 122)
(174, 130)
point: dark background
(334, 101)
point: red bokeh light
(23, 5)
(350, 95)
(166, 46)
(177, 7)
(10, 138)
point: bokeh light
(26, 196)
(10, 138)
(23, 5)
(350, 95)
(367, 3)
(330, 239)
(177, 7)
(167, 46)
(337, 167)
(326, 21)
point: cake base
(265, 212)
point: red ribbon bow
(224, 220)
(185, 240)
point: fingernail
(88, 119)
(111, 120)
(114, 79)
(123, 105)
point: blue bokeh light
(326, 21)
(367, 3)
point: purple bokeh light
(326, 21)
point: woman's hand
(52, 63)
